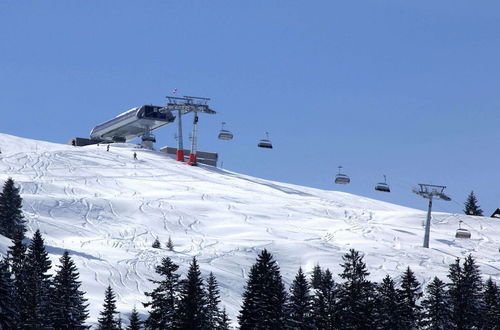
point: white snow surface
(107, 209)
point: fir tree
(264, 297)
(156, 244)
(164, 298)
(316, 277)
(35, 298)
(491, 303)
(70, 309)
(193, 301)
(9, 314)
(324, 309)
(11, 214)
(225, 321)
(300, 303)
(388, 307)
(213, 312)
(170, 244)
(436, 307)
(356, 293)
(409, 294)
(135, 322)
(471, 206)
(16, 259)
(107, 321)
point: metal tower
(185, 105)
(429, 191)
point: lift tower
(429, 191)
(185, 105)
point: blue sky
(410, 89)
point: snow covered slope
(107, 209)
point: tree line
(31, 298)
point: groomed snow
(107, 209)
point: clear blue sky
(410, 89)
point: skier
(107, 148)
(135, 155)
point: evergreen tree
(170, 244)
(325, 308)
(70, 309)
(388, 307)
(35, 297)
(316, 277)
(16, 255)
(213, 312)
(225, 321)
(491, 302)
(9, 314)
(11, 214)
(156, 244)
(264, 297)
(192, 311)
(300, 303)
(436, 307)
(409, 294)
(135, 322)
(164, 298)
(356, 293)
(471, 206)
(107, 321)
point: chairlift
(342, 178)
(383, 186)
(462, 232)
(265, 143)
(224, 134)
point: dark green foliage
(193, 301)
(16, 259)
(299, 307)
(11, 214)
(356, 293)
(214, 315)
(316, 277)
(107, 321)
(409, 294)
(471, 206)
(69, 307)
(325, 307)
(35, 297)
(225, 321)
(264, 297)
(9, 314)
(388, 307)
(156, 244)
(436, 307)
(170, 244)
(135, 322)
(164, 298)
(491, 303)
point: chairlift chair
(224, 134)
(462, 232)
(383, 186)
(342, 178)
(265, 143)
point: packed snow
(106, 209)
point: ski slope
(107, 209)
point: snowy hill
(107, 209)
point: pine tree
(70, 309)
(300, 303)
(491, 302)
(107, 321)
(156, 244)
(436, 307)
(16, 255)
(316, 277)
(388, 307)
(9, 314)
(213, 311)
(135, 322)
(193, 301)
(356, 293)
(264, 297)
(35, 298)
(11, 214)
(225, 322)
(325, 307)
(164, 298)
(170, 244)
(409, 294)
(471, 206)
